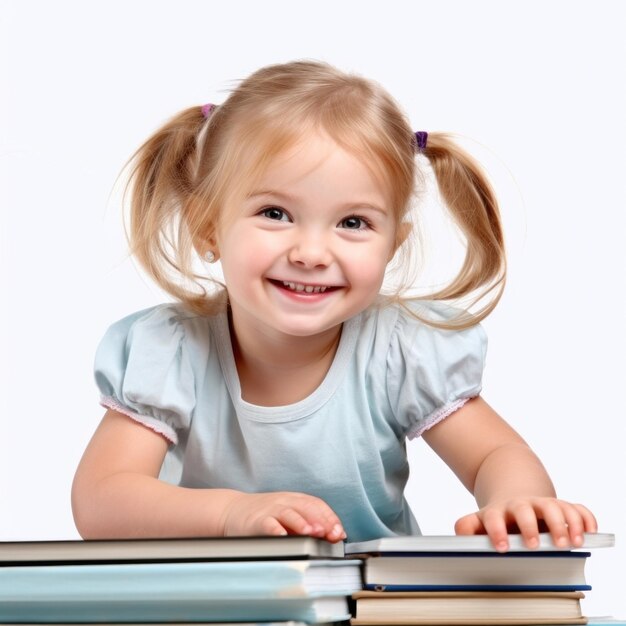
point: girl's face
(307, 249)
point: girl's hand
(566, 522)
(281, 513)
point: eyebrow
(289, 198)
(276, 194)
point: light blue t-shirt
(392, 377)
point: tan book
(459, 608)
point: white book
(203, 548)
(467, 543)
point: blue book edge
(392, 588)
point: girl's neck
(281, 370)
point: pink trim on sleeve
(435, 418)
(150, 422)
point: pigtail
(474, 208)
(160, 186)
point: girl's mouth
(302, 288)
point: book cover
(466, 543)
(310, 591)
(245, 548)
(519, 571)
(461, 608)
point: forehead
(317, 163)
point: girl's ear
(206, 247)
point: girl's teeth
(306, 288)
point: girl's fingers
(575, 524)
(469, 525)
(590, 523)
(281, 513)
(271, 526)
(525, 518)
(553, 513)
(307, 515)
(494, 521)
(336, 533)
(292, 520)
(566, 522)
(322, 519)
(579, 520)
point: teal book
(235, 591)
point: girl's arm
(117, 493)
(511, 486)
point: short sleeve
(143, 370)
(432, 372)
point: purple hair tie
(207, 109)
(421, 137)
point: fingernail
(562, 542)
(533, 542)
(578, 540)
(337, 530)
(307, 530)
(502, 546)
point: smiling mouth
(303, 288)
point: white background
(536, 88)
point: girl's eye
(274, 213)
(354, 223)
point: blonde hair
(184, 176)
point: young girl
(281, 403)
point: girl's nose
(310, 251)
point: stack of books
(462, 580)
(293, 581)
(244, 579)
